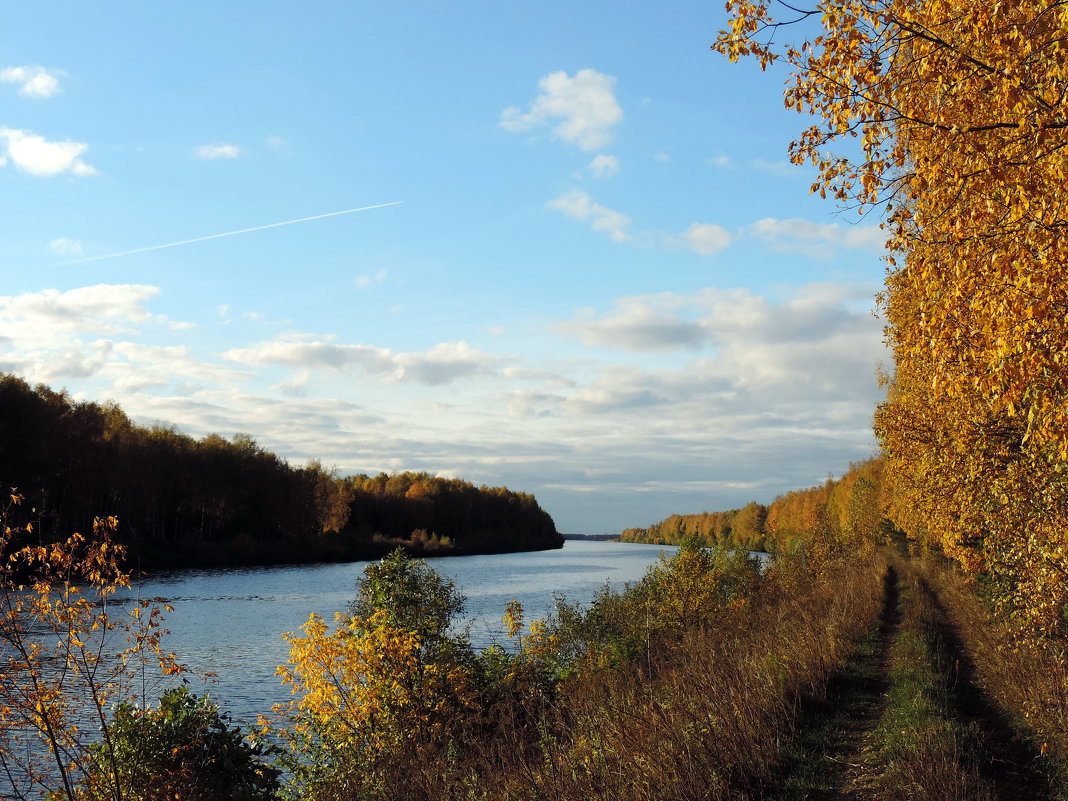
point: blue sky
(603, 283)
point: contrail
(228, 233)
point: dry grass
(1026, 680)
(703, 715)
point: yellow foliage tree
(693, 585)
(959, 110)
(388, 685)
(66, 657)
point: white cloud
(86, 333)
(37, 156)
(368, 281)
(583, 108)
(818, 240)
(729, 320)
(64, 246)
(706, 238)
(603, 166)
(211, 152)
(444, 363)
(720, 161)
(642, 323)
(300, 353)
(781, 168)
(441, 364)
(275, 142)
(580, 206)
(100, 309)
(662, 158)
(35, 81)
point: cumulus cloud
(603, 166)
(64, 246)
(580, 206)
(706, 238)
(136, 366)
(211, 152)
(36, 155)
(86, 332)
(582, 109)
(304, 354)
(818, 240)
(34, 82)
(444, 363)
(649, 322)
(441, 364)
(99, 309)
(732, 322)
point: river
(228, 621)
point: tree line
(850, 512)
(735, 528)
(183, 501)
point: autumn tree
(67, 654)
(387, 686)
(957, 109)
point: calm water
(228, 621)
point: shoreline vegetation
(213, 502)
(856, 664)
(839, 506)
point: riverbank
(151, 555)
(869, 675)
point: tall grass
(657, 711)
(1026, 679)
(708, 717)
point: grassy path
(906, 719)
(821, 763)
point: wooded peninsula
(183, 502)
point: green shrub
(186, 748)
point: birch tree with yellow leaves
(67, 655)
(958, 109)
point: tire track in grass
(822, 761)
(1010, 765)
(940, 737)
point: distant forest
(824, 514)
(183, 501)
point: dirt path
(823, 761)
